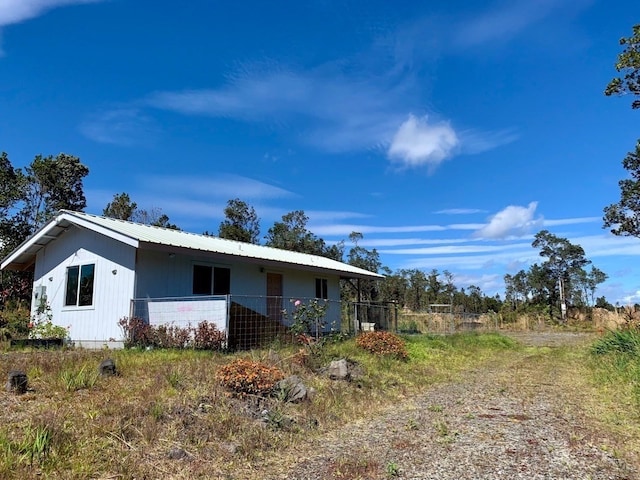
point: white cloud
(513, 220)
(16, 11)
(417, 142)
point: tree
(52, 184)
(628, 64)
(153, 217)
(367, 260)
(564, 262)
(623, 217)
(29, 197)
(121, 207)
(292, 234)
(241, 222)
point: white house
(91, 271)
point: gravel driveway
(504, 421)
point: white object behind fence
(184, 312)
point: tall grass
(616, 362)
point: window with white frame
(210, 280)
(79, 288)
(321, 288)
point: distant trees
(122, 208)
(291, 233)
(558, 282)
(623, 217)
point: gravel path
(506, 421)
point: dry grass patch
(167, 415)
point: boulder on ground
(16, 382)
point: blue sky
(448, 133)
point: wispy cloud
(328, 109)
(502, 22)
(513, 220)
(332, 111)
(125, 127)
(346, 229)
(455, 249)
(459, 211)
(570, 221)
(223, 186)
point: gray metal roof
(146, 236)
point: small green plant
(435, 408)
(83, 378)
(35, 445)
(411, 425)
(392, 469)
(174, 377)
(156, 411)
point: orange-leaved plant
(246, 377)
(383, 343)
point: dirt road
(520, 417)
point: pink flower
(297, 303)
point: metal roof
(145, 236)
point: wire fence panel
(366, 317)
(248, 321)
(447, 322)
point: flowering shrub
(246, 377)
(307, 318)
(47, 330)
(138, 333)
(382, 343)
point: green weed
(79, 379)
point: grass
(125, 426)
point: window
(321, 288)
(208, 280)
(79, 292)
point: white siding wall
(162, 275)
(96, 325)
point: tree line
(29, 197)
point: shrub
(246, 377)
(47, 330)
(206, 336)
(138, 333)
(383, 343)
